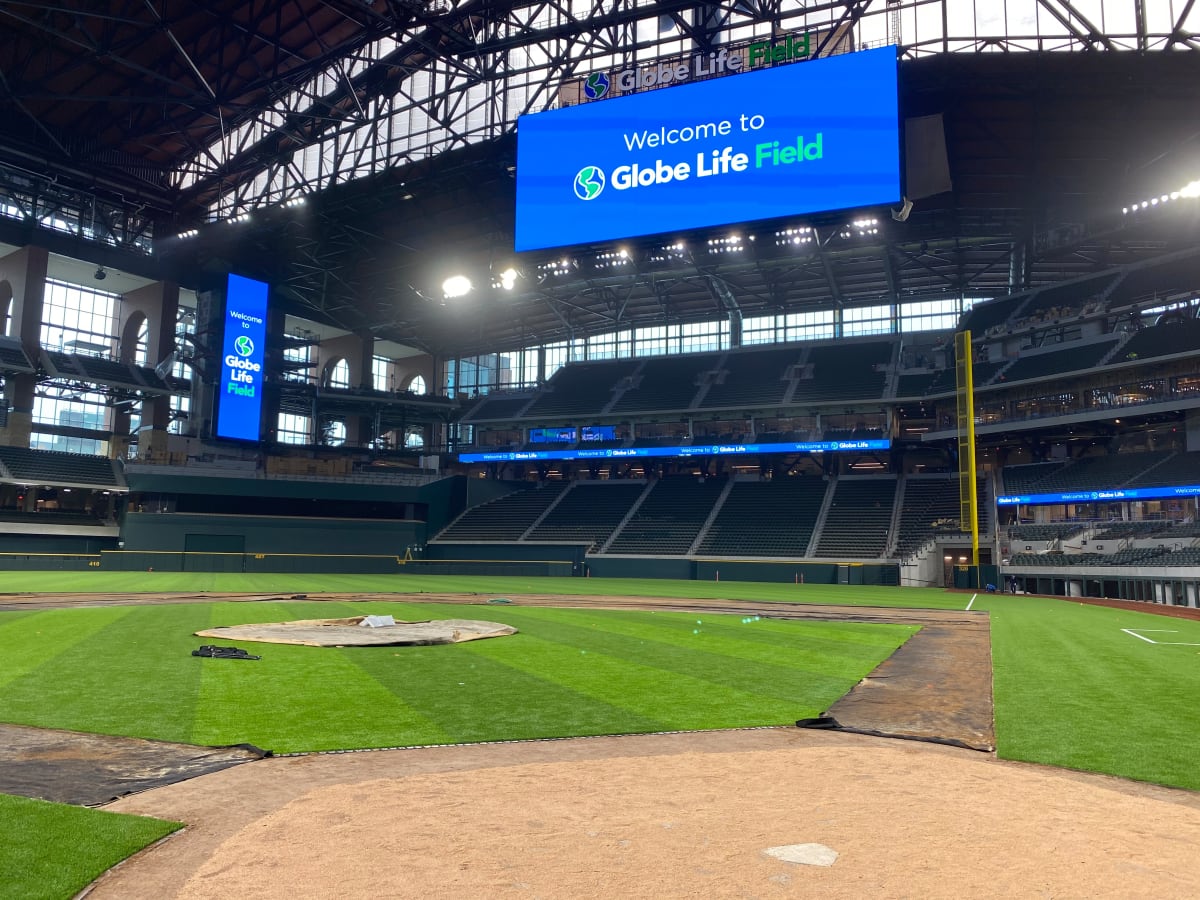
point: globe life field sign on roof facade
(811, 137)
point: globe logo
(243, 345)
(589, 182)
(596, 86)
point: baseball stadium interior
(774, 398)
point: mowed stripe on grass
(298, 698)
(31, 639)
(567, 672)
(131, 669)
(751, 637)
(712, 650)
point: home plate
(804, 854)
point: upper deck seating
(55, 467)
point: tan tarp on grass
(349, 633)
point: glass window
(141, 350)
(333, 433)
(68, 406)
(807, 326)
(76, 319)
(759, 330)
(417, 385)
(929, 315)
(293, 429)
(656, 340)
(788, 327)
(382, 378)
(339, 375)
(185, 324)
(610, 345)
(529, 366)
(556, 357)
(698, 337)
(867, 320)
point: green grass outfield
(50, 851)
(92, 581)
(128, 670)
(1071, 687)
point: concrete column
(360, 431)
(1192, 429)
(276, 329)
(158, 305)
(25, 273)
(348, 348)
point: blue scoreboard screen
(808, 137)
(243, 351)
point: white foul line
(1159, 631)
(1138, 636)
(973, 596)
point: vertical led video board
(243, 351)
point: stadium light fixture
(508, 278)
(456, 286)
(1189, 191)
(611, 259)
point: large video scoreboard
(773, 142)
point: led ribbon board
(240, 386)
(772, 142)
(1102, 496)
(689, 450)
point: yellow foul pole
(965, 383)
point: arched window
(339, 374)
(141, 350)
(6, 296)
(417, 385)
(334, 433)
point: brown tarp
(349, 633)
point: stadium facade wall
(524, 552)
(641, 567)
(571, 559)
(179, 532)
(34, 552)
(56, 544)
(444, 500)
(797, 572)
